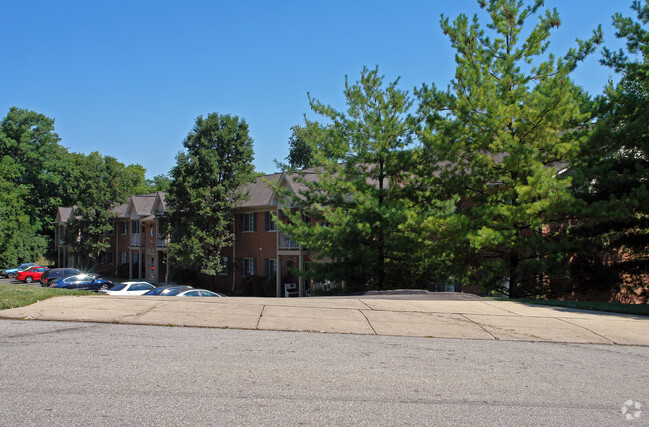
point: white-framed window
(250, 222)
(270, 223)
(249, 266)
(272, 268)
(135, 227)
(123, 228)
(135, 258)
(226, 265)
(123, 258)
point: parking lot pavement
(444, 316)
(17, 282)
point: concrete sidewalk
(473, 318)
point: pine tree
(354, 209)
(614, 167)
(497, 140)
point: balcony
(287, 244)
(161, 243)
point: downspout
(234, 251)
(117, 257)
(129, 224)
(278, 264)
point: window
(249, 222)
(135, 257)
(110, 257)
(226, 266)
(249, 266)
(135, 227)
(141, 287)
(123, 258)
(123, 228)
(270, 224)
(270, 267)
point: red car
(31, 275)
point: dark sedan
(86, 282)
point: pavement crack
(261, 314)
(500, 308)
(155, 306)
(366, 304)
(588, 329)
(368, 322)
(480, 326)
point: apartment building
(139, 251)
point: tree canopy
(497, 140)
(207, 183)
(356, 213)
(614, 166)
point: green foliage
(100, 183)
(299, 155)
(207, 183)
(158, 183)
(614, 165)
(31, 161)
(496, 140)
(359, 214)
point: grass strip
(612, 307)
(14, 296)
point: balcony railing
(161, 243)
(286, 243)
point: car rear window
(117, 288)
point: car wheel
(10, 275)
(103, 287)
(29, 279)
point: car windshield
(173, 291)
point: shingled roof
(260, 193)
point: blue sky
(128, 78)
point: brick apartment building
(139, 251)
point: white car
(130, 288)
(193, 293)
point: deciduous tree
(207, 183)
(100, 184)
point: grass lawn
(614, 307)
(13, 296)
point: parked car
(88, 282)
(164, 290)
(129, 288)
(31, 274)
(192, 293)
(11, 272)
(56, 273)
